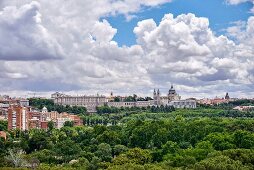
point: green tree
(118, 149)
(104, 152)
(135, 155)
(219, 163)
(3, 125)
(67, 149)
(244, 139)
(16, 157)
(68, 124)
(51, 125)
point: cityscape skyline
(83, 47)
(48, 95)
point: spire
(172, 87)
(158, 92)
(227, 96)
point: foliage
(3, 125)
(201, 138)
(16, 157)
(49, 104)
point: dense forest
(138, 139)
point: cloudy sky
(205, 48)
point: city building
(244, 108)
(18, 118)
(227, 96)
(183, 104)
(216, 100)
(172, 99)
(165, 100)
(21, 118)
(131, 104)
(90, 102)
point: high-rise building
(18, 118)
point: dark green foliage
(67, 149)
(68, 124)
(49, 104)
(3, 125)
(138, 139)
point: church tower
(227, 96)
(156, 97)
(172, 95)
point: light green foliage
(220, 163)
(135, 155)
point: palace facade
(90, 102)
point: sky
(205, 48)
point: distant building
(172, 95)
(216, 100)
(111, 98)
(131, 104)
(243, 108)
(227, 96)
(172, 99)
(21, 118)
(90, 102)
(23, 102)
(183, 104)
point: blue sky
(220, 15)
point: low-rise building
(90, 102)
(190, 104)
(21, 118)
(243, 108)
(131, 104)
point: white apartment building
(191, 104)
(131, 104)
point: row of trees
(49, 104)
(152, 109)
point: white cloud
(182, 50)
(23, 37)
(236, 2)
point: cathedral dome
(172, 90)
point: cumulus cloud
(182, 50)
(23, 37)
